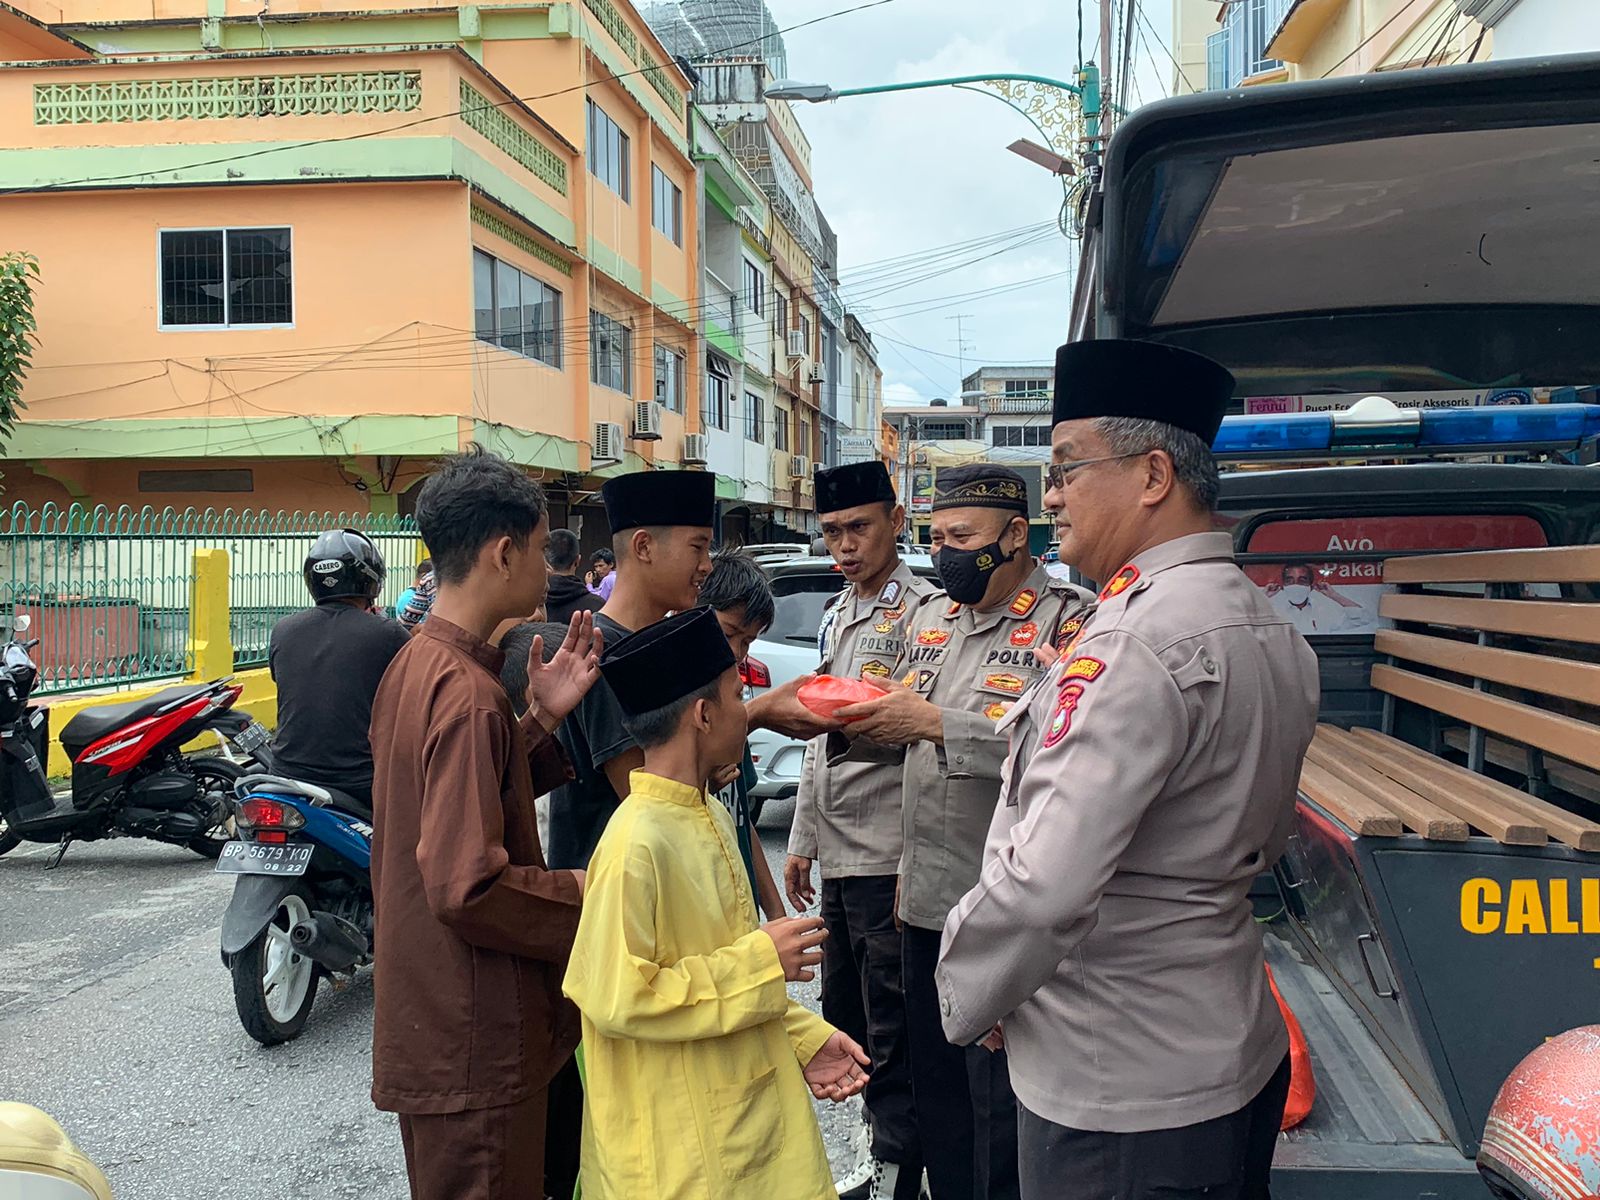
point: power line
(1182, 76)
(1368, 40)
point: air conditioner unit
(646, 421)
(816, 374)
(694, 449)
(799, 468)
(607, 442)
(797, 343)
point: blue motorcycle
(302, 907)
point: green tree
(19, 272)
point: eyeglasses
(1055, 475)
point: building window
(610, 353)
(666, 205)
(781, 312)
(226, 277)
(1019, 435)
(944, 431)
(515, 311)
(608, 151)
(754, 408)
(805, 331)
(1027, 387)
(715, 409)
(803, 446)
(669, 379)
(755, 289)
(780, 428)
(1239, 49)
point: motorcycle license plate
(252, 737)
(252, 858)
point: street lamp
(1008, 86)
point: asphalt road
(116, 1017)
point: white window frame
(673, 403)
(673, 193)
(755, 288)
(627, 354)
(556, 336)
(294, 278)
(624, 152)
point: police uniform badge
(1023, 604)
(891, 592)
(1024, 634)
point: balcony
(721, 316)
(1293, 26)
(1026, 405)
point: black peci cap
(852, 485)
(1143, 380)
(981, 485)
(660, 498)
(666, 661)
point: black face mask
(965, 573)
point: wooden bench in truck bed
(1378, 785)
(1456, 908)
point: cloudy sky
(928, 171)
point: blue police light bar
(1381, 430)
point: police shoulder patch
(954, 609)
(1085, 668)
(1024, 602)
(891, 592)
(1061, 720)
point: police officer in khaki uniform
(970, 653)
(1151, 777)
(847, 819)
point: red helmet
(1542, 1139)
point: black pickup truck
(1428, 238)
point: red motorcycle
(130, 777)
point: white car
(802, 585)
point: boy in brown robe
(472, 931)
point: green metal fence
(109, 589)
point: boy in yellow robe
(700, 1068)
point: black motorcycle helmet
(344, 563)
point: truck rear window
(1326, 574)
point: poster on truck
(1326, 574)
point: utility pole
(1105, 62)
(961, 347)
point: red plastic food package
(1302, 1084)
(827, 694)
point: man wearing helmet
(327, 662)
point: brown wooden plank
(1578, 832)
(1359, 813)
(1553, 564)
(1442, 783)
(1341, 757)
(1580, 781)
(1558, 619)
(1565, 737)
(1543, 673)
